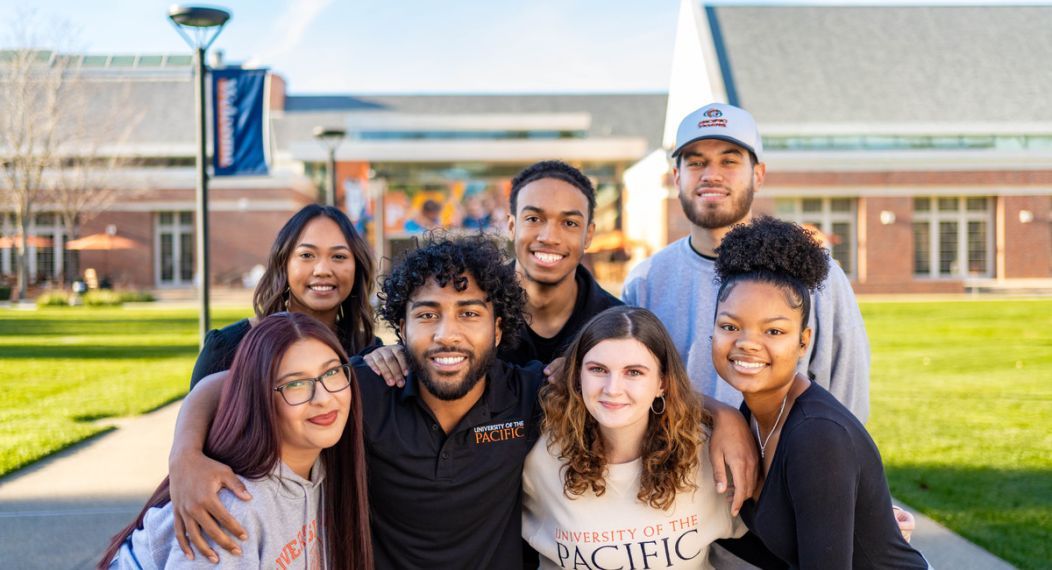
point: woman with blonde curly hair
(620, 477)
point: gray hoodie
(282, 521)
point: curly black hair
(768, 250)
(449, 260)
(552, 169)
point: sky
(404, 46)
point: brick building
(918, 139)
(406, 148)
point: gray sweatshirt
(679, 286)
(282, 521)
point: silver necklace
(763, 441)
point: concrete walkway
(61, 512)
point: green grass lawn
(962, 412)
(65, 368)
(961, 400)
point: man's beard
(450, 392)
(701, 215)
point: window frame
(824, 220)
(962, 216)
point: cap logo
(706, 123)
(713, 113)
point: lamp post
(330, 138)
(200, 26)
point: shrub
(136, 297)
(102, 298)
(53, 299)
(5, 292)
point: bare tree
(85, 178)
(33, 84)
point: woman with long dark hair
(289, 424)
(319, 265)
(823, 501)
(621, 476)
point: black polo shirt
(449, 501)
(591, 300)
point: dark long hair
(356, 328)
(673, 438)
(245, 437)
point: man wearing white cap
(718, 167)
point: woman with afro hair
(823, 500)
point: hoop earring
(663, 405)
(288, 293)
(339, 313)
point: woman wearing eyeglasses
(289, 424)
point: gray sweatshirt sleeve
(839, 359)
(249, 517)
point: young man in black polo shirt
(445, 452)
(551, 225)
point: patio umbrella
(15, 241)
(101, 242)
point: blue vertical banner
(239, 122)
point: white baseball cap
(720, 121)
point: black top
(220, 345)
(591, 300)
(825, 502)
(449, 501)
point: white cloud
(289, 28)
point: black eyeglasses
(301, 391)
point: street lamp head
(197, 16)
(199, 25)
(329, 136)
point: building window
(952, 236)
(174, 249)
(834, 217)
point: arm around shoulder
(253, 522)
(196, 479)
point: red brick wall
(277, 93)
(888, 249)
(127, 267)
(239, 238)
(1028, 247)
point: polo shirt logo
(500, 431)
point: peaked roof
(897, 64)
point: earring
(663, 405)
(339, 313)
(288, 293)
